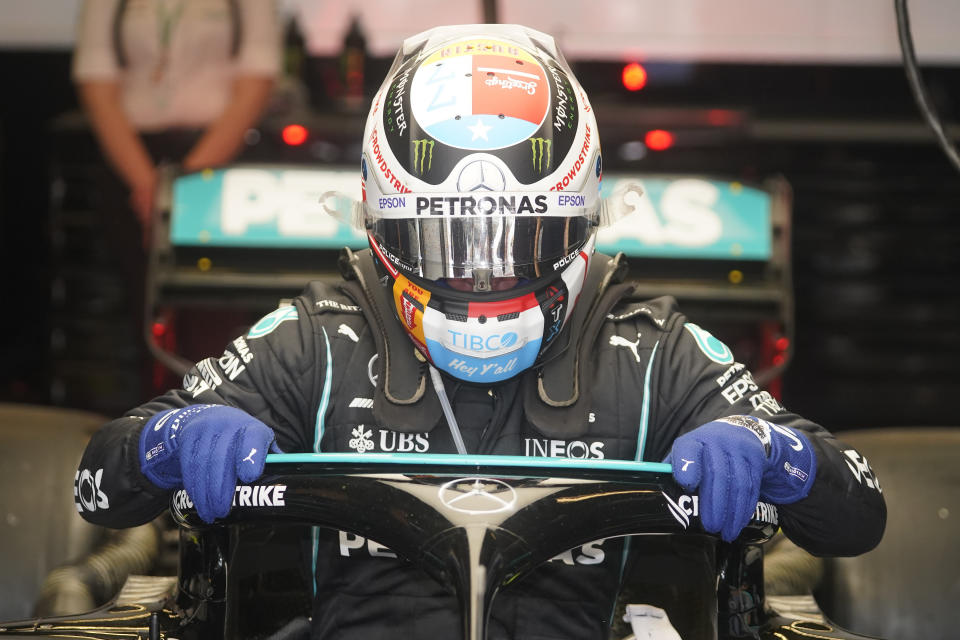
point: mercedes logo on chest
(475, 496)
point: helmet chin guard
(491, 337)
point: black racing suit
(308, 372)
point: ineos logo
(475, 496)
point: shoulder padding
(660, 312)
(557, 394)
(321, 296)
(400, 399)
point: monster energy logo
(536, 146)
(422, 152)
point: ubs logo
(475, 496)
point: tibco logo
(562, 449)
(483, 343)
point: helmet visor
(525, 235)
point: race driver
(481, 321)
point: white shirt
(179, 67)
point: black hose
(916, 83)
(97, 577)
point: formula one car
(475, 524)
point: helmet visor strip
(522, 235)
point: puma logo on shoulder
(620, 341)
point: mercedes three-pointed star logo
(481, 175)
(475, 496)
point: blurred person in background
(167, 81)
(173, 80)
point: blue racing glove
(205, 448)
(732, 462)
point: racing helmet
(481, 174)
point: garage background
(811, 92)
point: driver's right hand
(205, 449)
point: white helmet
(481, 195)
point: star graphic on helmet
(479, 130)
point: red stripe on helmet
(583, 281)
(513, 305)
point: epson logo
(482, 206)
(483, 343)
(392, 202)
(572, 200)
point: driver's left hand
(734, 461)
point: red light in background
(658, 140)
(294, 134)
(782, 344)
(159, 330)
(721, 117)
(634, 77)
